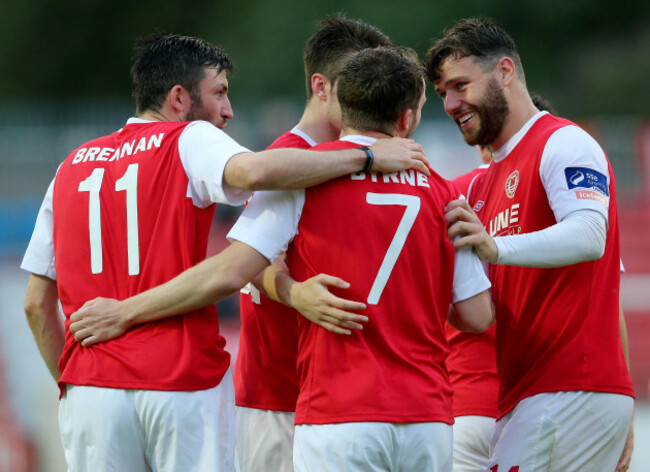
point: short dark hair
(541, 103)
(335, 40)
(163, 60)
(376, 85)
(481, 38)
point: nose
(452, 103)
(226, 110)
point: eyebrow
(452, 81)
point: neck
(346, 131)
(522, 109)
(157, 115)
(316, 124)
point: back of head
(541, 103)
(163, 60)
(479, 38)
(376, 85)
(335, 40)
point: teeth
(465, 118)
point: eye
(461, 85)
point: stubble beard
(197, 112)
(492, 112)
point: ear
(404, 122)
(319, 86)
(179, 100)
(506, 70)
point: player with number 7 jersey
(379, 398)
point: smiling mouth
(464, 118)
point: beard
(492, 112)
(198, 112)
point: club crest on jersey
(511, 184)
(479, 205)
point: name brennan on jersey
(410, 177)
(110, 154)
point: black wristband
(370, 158)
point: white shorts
(472, 436)
(373, 447)
(110, 429)
(562, 432)
(264, 440)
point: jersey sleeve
(574, 172)
(269, 222)
(39, 257)
(205, 150)
(469, 275)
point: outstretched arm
(45, 320)
(276, 169)
(215, 278)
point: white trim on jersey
(204, 152)
(270, 222)
(39, 257)
(304, 136)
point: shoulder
(573, 145)
(290, 140)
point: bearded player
(546, 220)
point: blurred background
(66, 80)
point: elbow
(474, 315)
(248, 175)
(34, 308)
(478, 326)
(252, 179)
(593, 252)
(482, 325)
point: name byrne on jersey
(111, 154)
(408, 177)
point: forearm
(276, 169)
(622, 329)
(275, 282)
(579, 238)
(49, 334)
(45, 321)
(204, 284)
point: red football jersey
(386, 236)
(557, 329)
(472, 362)
(464, 182)
(265, 371)
(123, 223)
